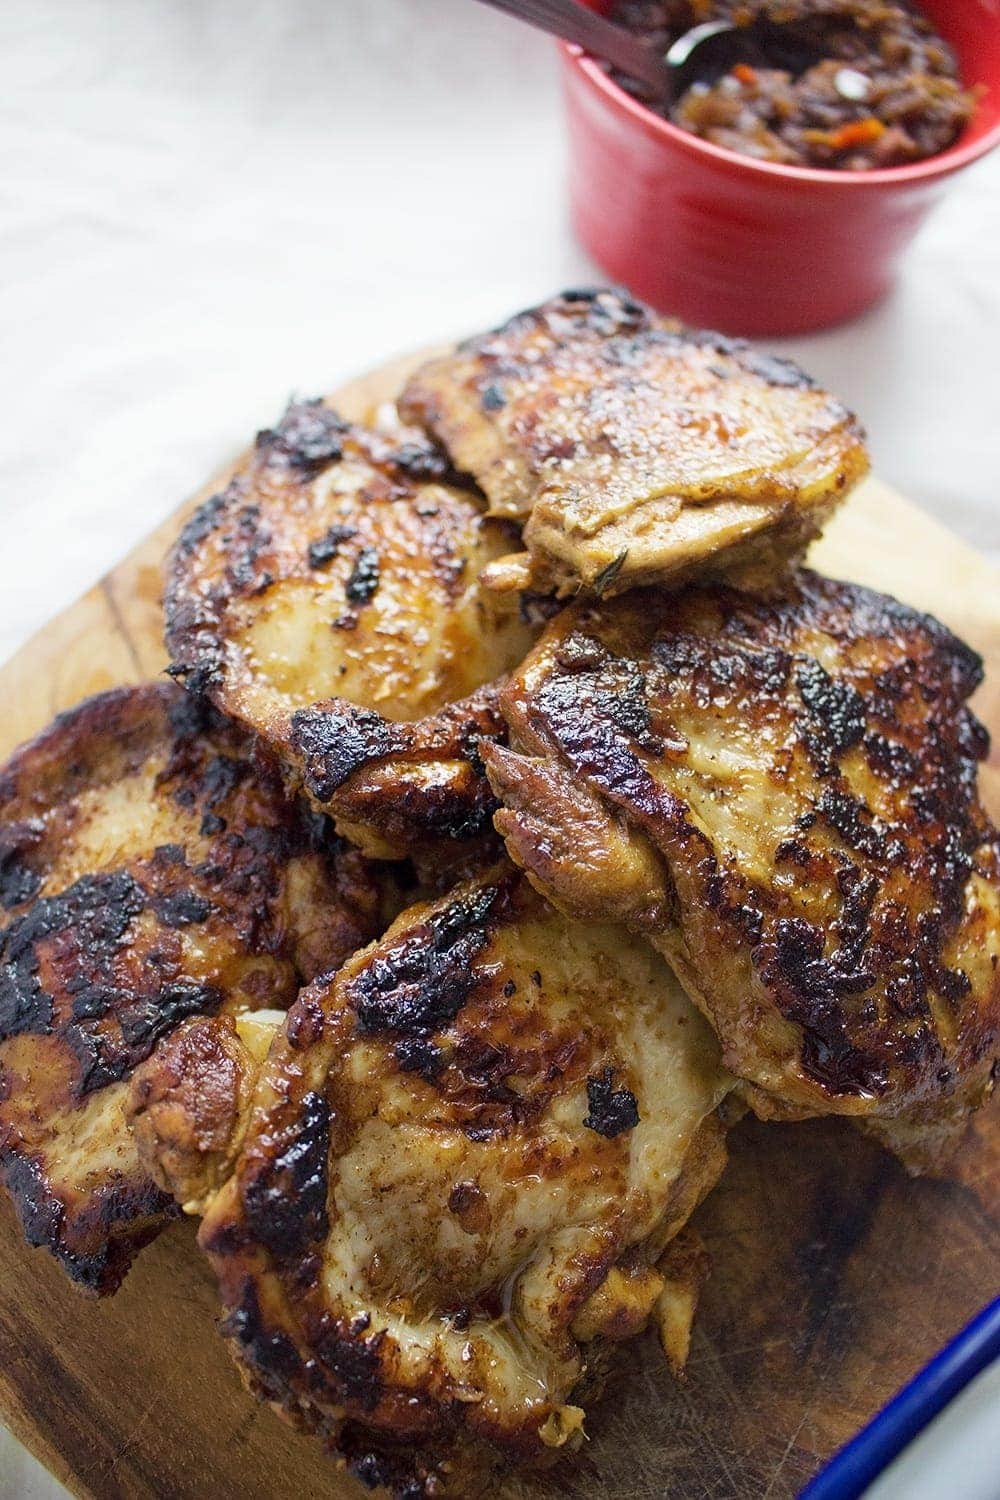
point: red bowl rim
(956, 156)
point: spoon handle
(575, 23)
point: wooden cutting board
(835, 1277)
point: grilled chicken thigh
(465, 1165)
(778, 790)
(329, 600)
(148, 872)
(634, 451)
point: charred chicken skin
(443, 1176)
(635, 451)
(459, 1182)
(780, 791)
(328, 600)
(148, 872)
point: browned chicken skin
(444, 1180)
(633, 450)
(189, 1103)
(149, 872)
(780, 792)
(329, 600)
(461, 1178)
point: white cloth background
(206, 205)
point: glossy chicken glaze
(779, 790)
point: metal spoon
(704, 52)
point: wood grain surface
(835, 1277)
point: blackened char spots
(335, 741)
(714, 674)
(606, 311)
(391, 1472)
(859, 892)
(168, 854)
(245, 543)
(973, 736)
(611, 1111)
(918, 642)
(221, 776)
(611, 692)
(181, 908)
(767, 367)
(423, 461)
(107, 1053)
(101, 1058)
(777, 372)
(810, 988)
(206, 519)
(597, 720)
(798, 951)
(836, 708)
(18, 881)
(963, 665)
(850, 817)
(326, 547)
(309, 436)
(953, 863)
(149, 1018)
(39, 1210)
(189, 717)
(285, 1197)
(94, 1244)
(354, 1362)
(364, 579)
(270, 1353)
(417, 1054)
(200, 676)
(890, 759)
(96, 912)
(420, 983)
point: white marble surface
(207, 205)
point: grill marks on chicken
(329, 600)
(149, 872)
(780, 792)
(467, 1153)
(635, 451)
(442, 1182)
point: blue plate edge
(855, 1466)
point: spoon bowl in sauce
(702, 52)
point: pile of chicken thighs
(522, 811)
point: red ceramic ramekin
(749, 246)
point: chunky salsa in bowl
(772, 243)
(851, 84)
